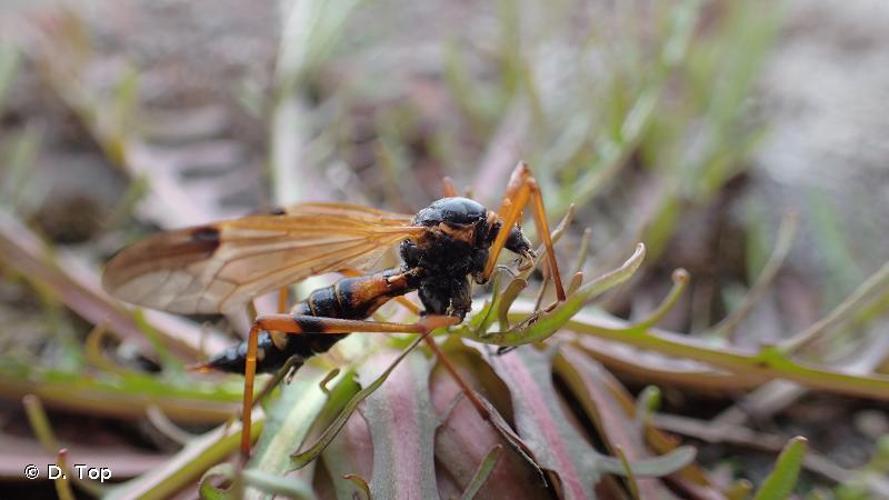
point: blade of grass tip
(225, 473)
(480, 322)
(332, 374)
(509, 296)
(483, 473)
(575, 283)
(630, 477)
(680, 281)
(40, 423)
(43, 431)
(63, 486)
(648, 402)
(877, 282)
(361, 484)
(786, 232)
(781, 481)
(740, 489)
(94, 354)
(662, 465)
(584, 250)
(302, 458)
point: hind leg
(299, 324)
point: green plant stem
(786, 233)
(769, 362)
(842, 312)
(111, 397)
(63, 487)
(43, 430)
(188, 465)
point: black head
(452, 211)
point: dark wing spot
(270, 211)
(205, 238)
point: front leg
(521, 190)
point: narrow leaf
(555, 444)
(224, 472)
(780, 482)
(540, 325)
(464, 439)
(289, 420)
(301, 459)
(628, 471)
(186, 466)
(402, 428)
(361, 484)
(483, 472)
(653, 467)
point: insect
(220, 267)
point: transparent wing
(221, 266)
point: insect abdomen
(349, 298)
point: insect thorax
(455, 247)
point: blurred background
(742, 141)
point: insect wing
(221, 266)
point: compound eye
(484, 233)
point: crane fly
(220, 267)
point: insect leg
(297, 324)
(523, 188)
(450, 190)
(442, 357)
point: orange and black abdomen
(354, 298)
(348, 298)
